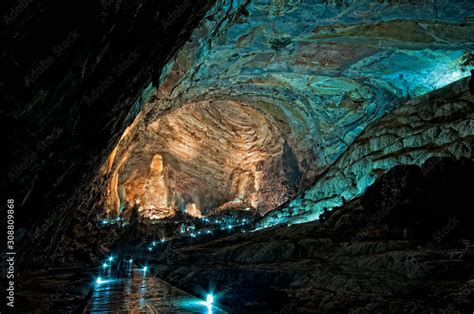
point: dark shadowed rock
(394, 248)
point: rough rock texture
(438, 124)
(320, 72)
(395, 249)
(75, 75)
(202, 155)
(51, 291)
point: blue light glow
(210, 299)
(105, 265)
(99, 281)
(111, 258)
(145, 268)
(130, 260)
(447, 75)
(153, 243)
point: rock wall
(75, 75)
(405, 245)
(437, 124)
(210, 154)
(320, 72)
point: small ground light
(105, 265)
(153, 243)
(145, 269)
(210, 299)
(111, 258)
(130, 260)
(99, 281)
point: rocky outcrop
(319, 73)
(201, 156)
(396, 248)
(75, 75)
(107, 89)
(437, 124)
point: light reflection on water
(143, 293)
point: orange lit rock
(201, 156)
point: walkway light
(209, 299)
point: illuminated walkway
(143, 293)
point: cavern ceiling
(266, 95)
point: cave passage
(203, 158)
(240, 156)
(140, 292)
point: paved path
(141, 292)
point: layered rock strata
(438, 124)
(405, 245)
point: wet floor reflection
(141, 292)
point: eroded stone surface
(200, 157)
(394, 249)
(437, 124)
(67, 105)
(320, 72)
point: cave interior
(238, 156)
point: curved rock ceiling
(291, 83)
(202, 155)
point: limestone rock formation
(268, 97)
(438, 124)
(342, 128)
(317, 75)
(395, 249)
(75, 75)
(209, 154)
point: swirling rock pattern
(320, 72)
(438, 124)
(203, 155)
(394, 249)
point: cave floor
(143, 293)
(75, 290)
